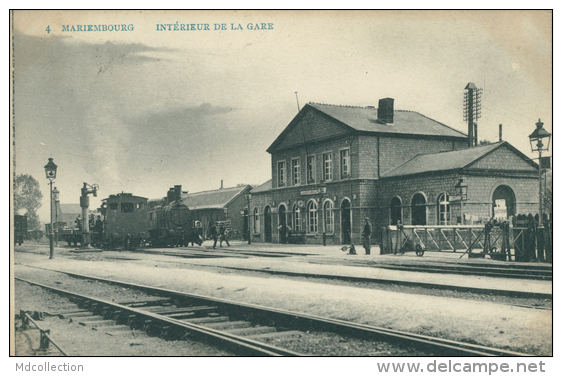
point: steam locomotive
(133, 221)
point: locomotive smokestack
(169, 196)
(177, 192)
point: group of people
(218, 235)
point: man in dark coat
(367, 236)
(222, 232)
(214, 234)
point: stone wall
(479, 199)
(360, 194)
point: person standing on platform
(367, 236)
(223, 236)
(214, 234)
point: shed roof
(70, 208)
(267, 186)
(449, 160)
(215, 199)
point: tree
(28, 196)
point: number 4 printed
(47, 29)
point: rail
(441, 346)
(249, 346)
(45, 336)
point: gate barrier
(515, 239)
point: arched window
(418, 210)
(297, 218)
(444, 209)
(256, 220)
(395, 211)
(329, 216)
(312, 213)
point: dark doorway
(346, 222)
(503, 192)
(395, 211)
(267, 223)
(282, 224)
(418, 210)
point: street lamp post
(56, 199)
(536, 141)
(51, 173)
(249, 197)
(462, 190)
(537, 144)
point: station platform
(336, 250)
(330, 261)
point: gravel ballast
(487, 323)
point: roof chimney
(386, 111)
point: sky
(142, 110)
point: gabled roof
(450, 160)
(215, 199)
(70, 208)
(364, 119)
(267, 186)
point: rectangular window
(328, 166)
(127, 207)
(113, 206)
(281, 174)
(344, 163)
(311, 169)
(296, 171)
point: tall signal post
(85, 204)
(471, 112)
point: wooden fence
(519, 239)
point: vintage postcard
(283, 183)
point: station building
(334, 165)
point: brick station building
(333, 166)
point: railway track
(242, 328)
(528, 272)
(429, 285)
